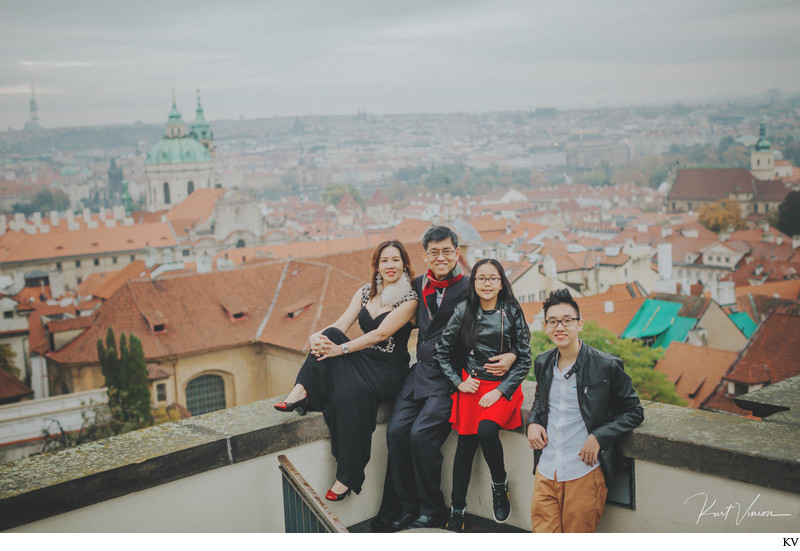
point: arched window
(240, 244)
(190, 188)
(166, 193)
(205, 393)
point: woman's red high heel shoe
(333, 496)
(289, 407)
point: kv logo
(790, 542)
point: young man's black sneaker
(456, 521)
(501, 505)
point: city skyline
(96, 63)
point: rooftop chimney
(608, 307)
(54, 218)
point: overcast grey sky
(117, 62)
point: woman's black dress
(347, 390)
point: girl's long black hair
(469, 328)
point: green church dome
(176, 147)
(763, 143)
(177, 150)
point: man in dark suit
(419, 423)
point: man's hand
(589, 451)
(537, 436)
(498, 365)
(469, 385)
(489, 398)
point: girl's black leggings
(489, 438)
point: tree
(44, 201)
(721, 215)
(7, 364)
(789, 214)
(637, 358)
(126, 380)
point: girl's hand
(489, 398)
(469, 385)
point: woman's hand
(323, 345)
(315, 341)
(328, 350)
(489, 398)
(469, 385)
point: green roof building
(657, 323)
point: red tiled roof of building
(695, 370)
(197, 207)
(711, 184)
(756, 235)
(88, 242)
(771, 354)
(789, 290)
(69, 324)
(11, 389)
(347, 203)
(105, 284)
(378, 199)
(771, 190)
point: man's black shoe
(402, 522)
(456, 521)
(501, 505)
(429, 521)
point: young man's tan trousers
(571, 506)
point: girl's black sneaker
(456, 521)
(501, 505)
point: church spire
(33, 123)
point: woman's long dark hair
(469, 328)
(376, 256)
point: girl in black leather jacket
(489, 322)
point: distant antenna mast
(34, 110)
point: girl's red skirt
(466, 413)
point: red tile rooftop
(695, 370)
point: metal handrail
(303, 510)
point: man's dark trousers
(416, 432)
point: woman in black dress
(347, 379)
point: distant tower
(115, 178)
(762, 161)
(33, 124)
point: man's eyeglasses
(480, 280)
(434, 253)
(566, 322)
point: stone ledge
(778, 398)
(766, 454)
(728, 446)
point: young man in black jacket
(584, 403)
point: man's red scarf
(431, 284)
